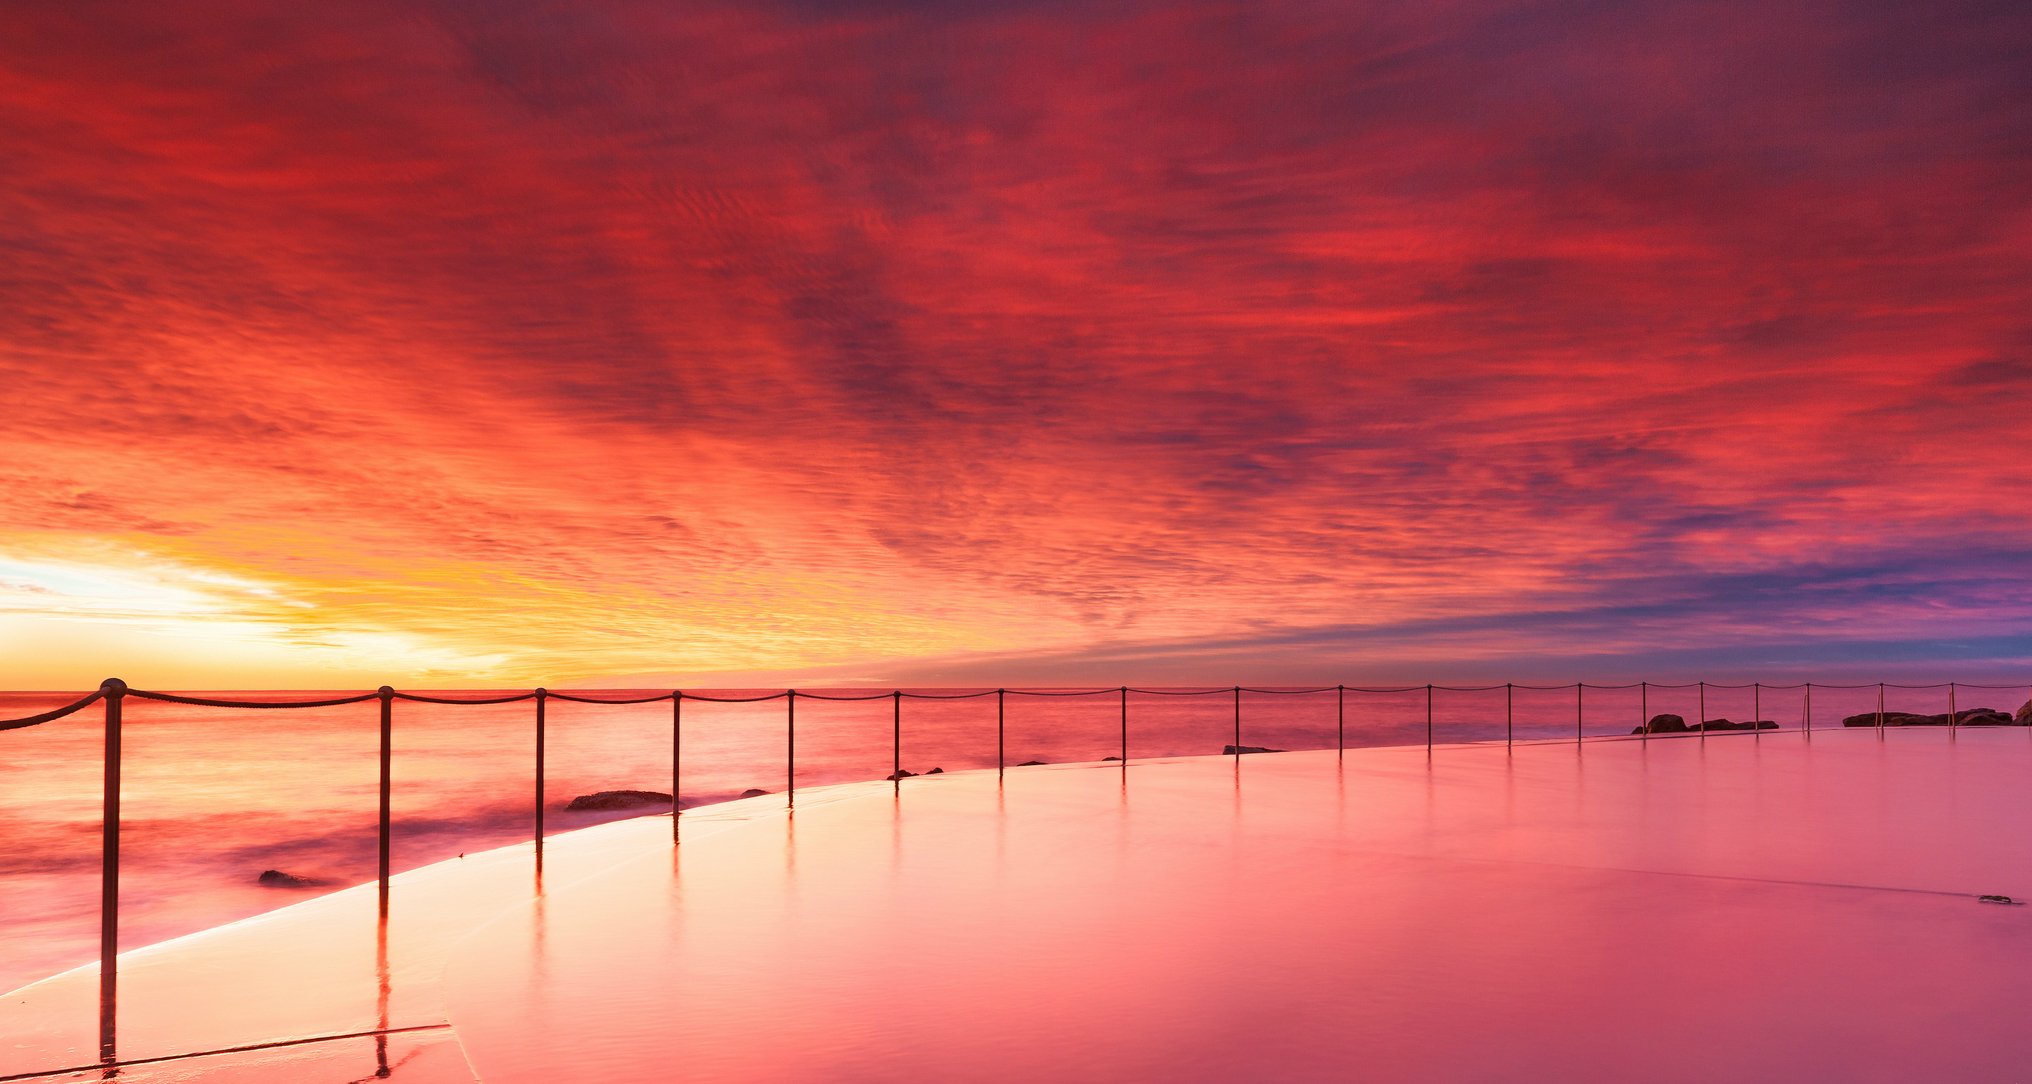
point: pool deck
(1748, 906)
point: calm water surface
(212, 797)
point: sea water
(212, 797)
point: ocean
(213, 797)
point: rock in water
(1238, 750)
(900, 773)
(275, 878)
(753, 792)
(1030, 764)
(936, 771)
(618, 799)
(1663, 724)
(2024, 716)
(1891, 718)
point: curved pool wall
(1755, 907)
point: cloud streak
(570, 341)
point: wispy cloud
(554, 340)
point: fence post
(1238, 720)
(1125, 726)
(1644, 710)
(1880, 711)
(1001, 754)
(1509, 715)
(1341, 718)
(677, 753)
(1809, 711)
(115, 691)
(1757, 709)
(387, 696)
(1953, 723)
(542, 696)
(1579, 712)
(1428, 721)
(896, 735)
(790, 748)
(1701, 705)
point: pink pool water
(1740, 908)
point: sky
(790, 341)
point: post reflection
(382, 983)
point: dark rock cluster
(1237, 750)
(618, 799)
(1675, 724)
(1965, 717)
(275, 878)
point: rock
(1238, 750)
(1725, 724)
(1030, 764)
(2024, 716)
(753, 792)
(1663, 724)
(1966, 717)
(936, 771)
(900, 773)
(1105, 760)
(275, 878)
(618, 799)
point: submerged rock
(1106, 760)
(1238, 750)
(2024, 716)
(936, 771)
(618, 799)
(900, 773)
(1030, 764)
(753, 792)
(275, 878)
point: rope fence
(113, 693)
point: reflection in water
(1207, 939)
(382, 986)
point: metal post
(1702, 706)
(387, 696)
(1341, 718)
(1238, 720)
(1579, 712)
(1125, 726)
(1428, 720)
(1880, 711)
(1509, 715)
(109, 876)
(1001, 756)
(1809, 711)
(542, 696)
(1644, 710)
(1757, 709)
(896, 734)
(677, 755)
(1952, 723)
(790, 748)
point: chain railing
(113, 694)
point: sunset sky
(1004, 343)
